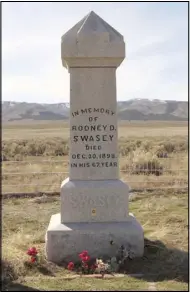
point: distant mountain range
(134, 109)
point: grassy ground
(163, 216)
(37, 160)
(45, 174)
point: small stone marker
(94, 202)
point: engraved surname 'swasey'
(94, 201)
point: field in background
(152, 155)
(32, 129)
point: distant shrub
(182, 146)
(60, 151)
(168, 147)
(144, 163)
(59, 147)
(174, 146)
(125, 150)
(18, 157)
(36, 148)
(146, 146)
(17, 150)
(40, 148)
(138, 143)
(145, 166)
(161, 153)
(129, 147)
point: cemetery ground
(153, 160)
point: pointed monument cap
(90, 42)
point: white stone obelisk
(94, 202)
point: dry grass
(139, 164)
(163, 213)
(163, 216)
(157, 160)
(28, 130)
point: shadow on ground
(18, 287)
(9, 275)
(43, 269)
(159, 263)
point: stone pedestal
(94, 202)
(66, 241)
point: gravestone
(94, 201)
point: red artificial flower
(32, 251)
(85, 258)
(83, 254)
(70, 266)
(80, 255)
(33, 259)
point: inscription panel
(93, 143)
(93, 124)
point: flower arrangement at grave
(33, 253)
(87, 265)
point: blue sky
(156, 37)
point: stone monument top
(91, 51)
(92, 38)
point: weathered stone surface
(93, 124)
(91, 52)
(91, 40)
(94, 201)
(66, 241)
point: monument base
(65, 241)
